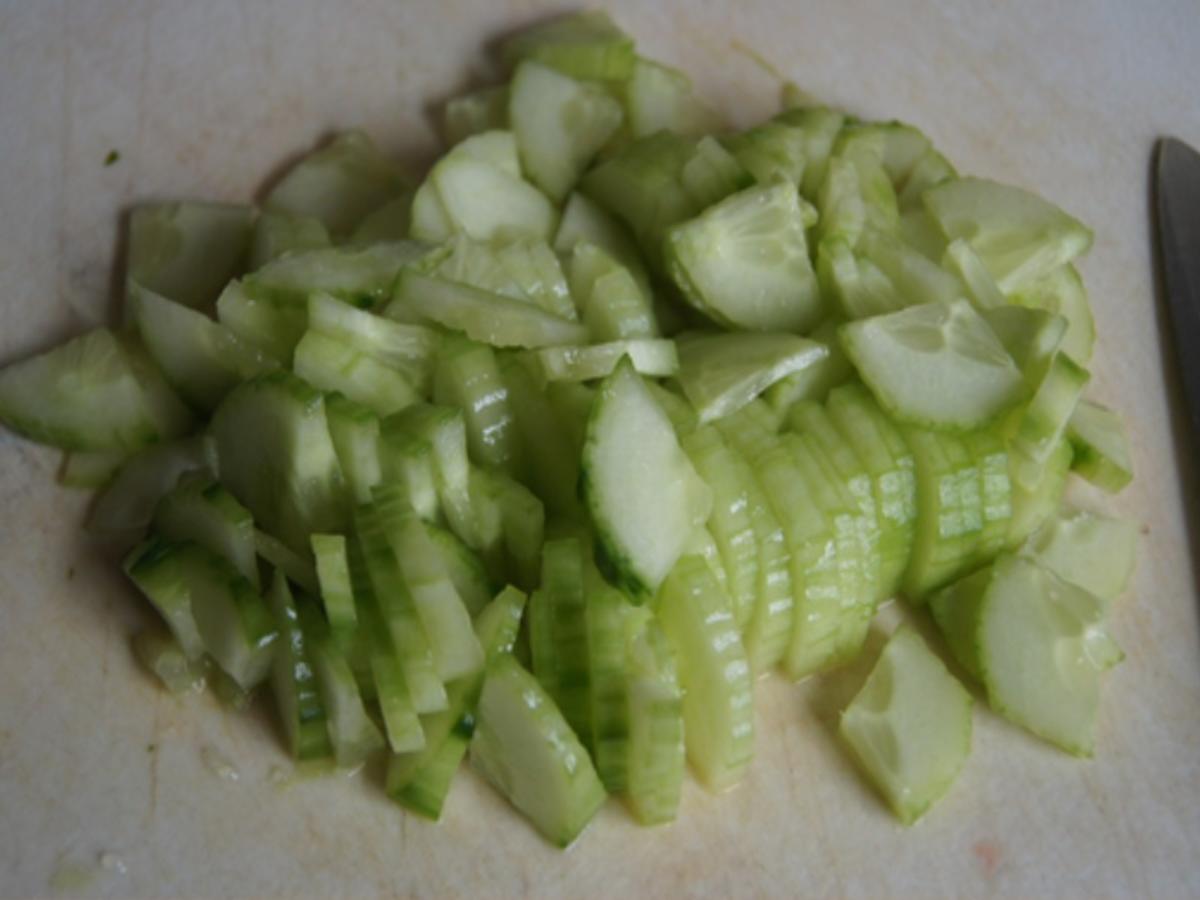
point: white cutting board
(205, 99)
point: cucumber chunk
(94, 469)
(1034, 504)
(821, 127)
(643, 494)
(612, 304)
(526, 749)
(335, 365)
(464, 568)
(584, 222)
(405, 347)
(718, 706)
(1061, 291)
(659, 98)
(744, 262)
(1101, 447)
(487, 203)
(523, 269)
(474, 113)
(201, 510)
(937, 365)
(299, 569)
(608, 615)
(815, 381)
(1097, 553)
(560, 124)
(909, 727)
(276, 234)
(584, 45)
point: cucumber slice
(860, 287)
(558, 633)
(202, 511)
(584, 222)
(982, 289)
(516, 520)
(560, 124)
(271, 327)
(611, 302)
(1019, 236)
(468, 377)
(339, 184)
(815, 381)
(125, 507)
(353, 734)
(487, 203)
(910, 726)
(1097, 553)
(277, 234)
(405, 733)
(730, 521)
(655, 760)
(1061, 291)
(930, 170)
(157, 567)
(1044, 421)
(333, 574)
(162, 656)
(584, 45)
(447, 624)
(390, 222)
(96, 392)
(1101, 447)
(718, 706)
(186, 252)
(299, 569)
(1043, 646)
(526, 749)
(360, 276)
(744, 261)
(955, 609)
(720, 373)
(407, 348)
(771, 150)
(937, 365)
(464, 568)
(355, 430)
(643, 494)
(474, 113)
(95, 469)
(1031, 337)
(407, 459)
(297, 697)
(524, 269)
(276, 457)
(609, 616)
(821, 127)
(915, 277)
(659, 98)
(335, 365)
(1034, 504)
(855, 193)
(484, 316)
(201, 359)
(656, 358)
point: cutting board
(110, 787)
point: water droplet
(113, 863)
(219, 764)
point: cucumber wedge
(643, 494)
(1097, 553)
(1101, 446)
(910, 726)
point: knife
(1177, 196)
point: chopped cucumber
(355, 433)
(909, 726)
(584, 45)
(407, 348)
(519, 518)
(390, 222)
(558, 633)
(464, 568)
(299, 569)
(1034, 504)
(815, 381)
(473, 113)
(276, 234)
(718, 705)
(744, 262)
(720, 373)
(821, 127)
(523, 269)
(486, 202)
(659, 98)
(468, 377)
(643, 494)
(583, 222)
(1044, 420)
(201, 510)
(293, 680)
(1061, 291)
(612, 304)
(771, 150)
(90, 469)
(1101, 447)
(353, 734)
(333, 574)
(1031, 337)
(335, 365)
(1097, 553)
(937, 365)
(648, 356)
(608, 616)
(360, 276)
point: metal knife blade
(1177, 190)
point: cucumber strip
(464, 568)
(613, 305)
(700, 543)
(201, 510)
(339, 184)
(744, 262)
(90, 469)
(583, 222)
(909, 726)
(201, 359)
(126, 506)
(484, 316)
(730, 521)
(1018, 235)
(405, 733)
(157, 568)
(379, 584)
(656, 358)
(558, 633)
(474, 113)
(468, 377)
(1061, 291)
(655, 760)
(889, 462)
(816, 380)
(609, 616)
(335, 365)
(354, 430)
(560, 124)
(949, 511)
(186, 252)
(1044, 420)
(407, 459)
(297, 697)
(584, 45)
(96, 392)
(447, 624)
(299, 569)
(643, 494)
(524, 269)
(936, 365)
(162, 656)
(1034, 504)
(659, 98)
(526, 749)
(718, 706)
(277, 233)
(1101, 446)
(409, 348)
(552, 460)
(275, 455)
(720, 373)
(1097, 553)
(333, 575)
(352, 733)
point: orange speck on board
(988, 855)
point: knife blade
(1177, 190)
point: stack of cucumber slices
(545, 458)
